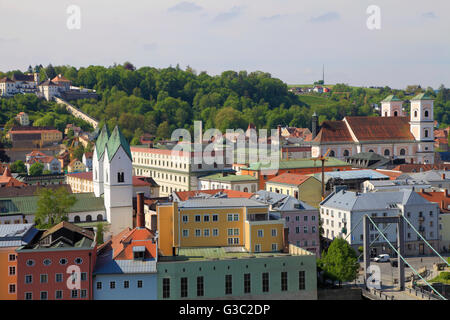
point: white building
(245, 183)
(392, 135)
(343, 211)
(23, 119)
(49, 89)
(112, 169)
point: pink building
(302, 220)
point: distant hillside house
(50, 163)
(392, 135)
(34, 137)
(76, 166)
(23, 119)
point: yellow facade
(444, 229)
(76, 166)
(216, 227)
(309, 191)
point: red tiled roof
(440, 198)
(290, 178)
(380, 128)
(333, 131)
(185, 195)
(123, 243)
(60, 78)
(390, 173)
(6, 180)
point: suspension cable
(404, 260)
(376, 238)
(448, 264)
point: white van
(382, 258)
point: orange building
(12, 236)
(302, 166)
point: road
(388, 273)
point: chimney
(279, 130)
(442, 205)
(446, 193)
(140, 217)
(443, 176)
(422, 190)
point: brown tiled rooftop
(380, 128)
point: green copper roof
(115, 141)
(422, 96)
(102, 139)
(390, 98)
(28, 205)
(229, 177)
(299, 163)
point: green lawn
(443, 277)
(313, 100)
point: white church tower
(97, 161)
(118, 182)
(392, 106)
(422, 127)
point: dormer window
(139, 252)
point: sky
(290, 39)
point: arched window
(76, 219)
(88, 218)
(426, 113)
(99, 217)
(120, 177)
(346, 153)
(415, 113)
(371, 150)
(245, 189)
(426, 133)
(386, 152)
(332, 154)
(395, 113)
(385, 114)
(402, 152)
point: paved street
(388, 273)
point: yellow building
(239, 223)
(305, 188)
(76, 166)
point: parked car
(382, 258)
(394, 263)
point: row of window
(126, 284)
(58, 277)
(297, 218)
(77, 219)
(305, 229)
(47, 262)
(200, 284)
(74, 294)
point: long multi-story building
(342, 212)
(173, 170)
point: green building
(224, 273)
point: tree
(78, 152)
(3, 156)
(340, 261)
(99, 235)
(18, 167)
(53, 206)
(36, 169)
(50, 71)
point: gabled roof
(380, 128)
(333, 131)
(48, 83)
(102, 139)
(69, 226)
(390, 98)
(422, 96)
(290, 178)
(440, 198)
(117, 140)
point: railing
(378, 294)
(421, 293)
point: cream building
(172, 170)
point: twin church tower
(112, 178)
